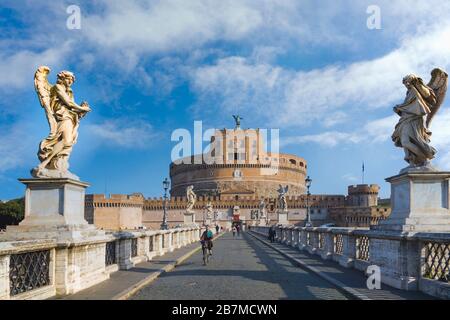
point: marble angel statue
(191, 198)
(262, 208)
(63, 116)
(422, 102)
(282, 192)
(209, 210)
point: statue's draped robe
(411, 127)
(61, 99)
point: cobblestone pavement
(241, 268)
(349, 277)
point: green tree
(12, 212)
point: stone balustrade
(38, 269)
(422, 261)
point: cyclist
(206, 241)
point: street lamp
(166, 185)
(308, 182)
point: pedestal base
(420, 203)
(54, 209)
(262, 222)
(189, 218)
(283, 217)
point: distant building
(235, 175)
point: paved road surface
(241, 268)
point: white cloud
(327, 139)
(288, 98)
(16, 145)
(124, 133)
(375, 131)
(18, 69)
(151, 26)
(350, 178)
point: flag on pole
(363, 171)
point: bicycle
(206, 249)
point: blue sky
(310, 68)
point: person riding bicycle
(206, 240)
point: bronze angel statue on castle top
(422, 102)
(63, 116)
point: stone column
(4, 277)
(302, 243)
(399, 258)
(314, 242)
(348, 256)
(296, 236)
(124, 258)
(327, 251)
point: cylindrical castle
(238, 164)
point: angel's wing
(286, 189)
(42, 86)
(439, 82)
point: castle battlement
(364, 189)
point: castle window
(292, 161)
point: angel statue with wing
(412, 132)
(191, 199)
(63, 116)
(282, 192)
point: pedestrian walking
(217, 228)
(272, 234)
(234, 231)
(238, 230)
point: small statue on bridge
(262, 208)
(209, 210)
(282, 192)
(191, 198)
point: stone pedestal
(283, 217)
(54, 209)
(189, 218)
(208, 222)
(420, 203)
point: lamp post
(308, 182)
(166, 185)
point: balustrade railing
(111, 255)
(338, 244)
(436, 264)
(34, 265)
(29, 271)
(362, 248)
(351, 247)
(321, 240)
(150, 243)
(134, 247)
